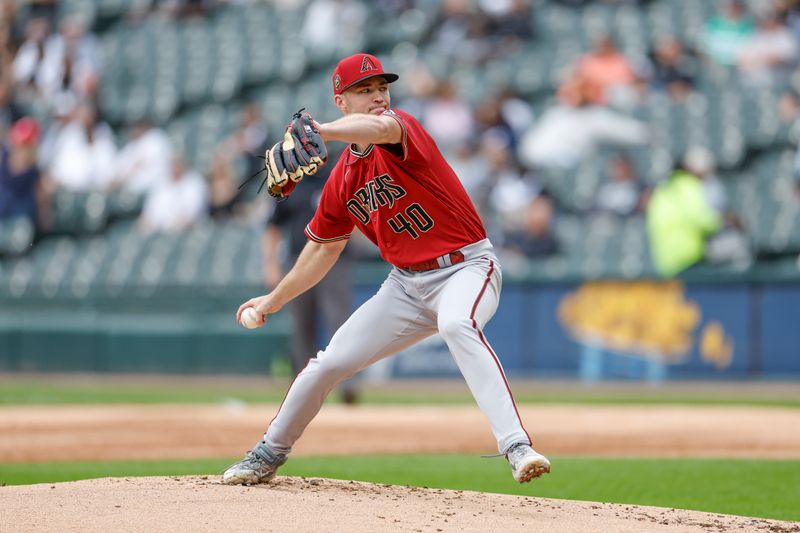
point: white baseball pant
(456, 301)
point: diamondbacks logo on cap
(366, 64)
(337, 82)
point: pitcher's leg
(384, 325)
(465, 305)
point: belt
(446, 260)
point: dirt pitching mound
(314, 505)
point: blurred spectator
(419, 90)
(9, 110)
(672, 69)
(333, 26)
(496, 8)
(31, 53)
(472, 168)
(489, 119)
(769, 54)
(47, 9)
(19, 174)
(71, 67)
(571, 131)
(242, 146)
(623, 194)
(391, 9)
(789, 11)
(516, 111)
(448, 118)
(461, 32)
(176, 9)
(58, 68)
(176, 204)
(730, 244)
(699, 161)
(84, 153)
(535, 239)
(510, 23)
(60, 117)
(606, 68)
(727, 33)
(144, 162)
(680, 221)
(7, 44)
(788, 106)
(512, 191)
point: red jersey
(405, 198)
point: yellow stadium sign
(653, 320)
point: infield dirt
(68, 433)
(54, 433)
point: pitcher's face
(370, 96)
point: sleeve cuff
(311, 236)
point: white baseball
(250, 318)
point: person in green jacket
(680, 220)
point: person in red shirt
(395, 186)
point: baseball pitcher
(395, 186)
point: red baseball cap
(24, 131)
(356, 68)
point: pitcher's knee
(453, 327)
(334, 369)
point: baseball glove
(301, 152)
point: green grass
(765, 488)
(44, 391)
(35, 393)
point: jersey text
(378, 192)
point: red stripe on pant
(287, 394)
(489, 348)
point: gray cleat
(526, 463)
(258, 466)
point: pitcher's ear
(338, 100)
